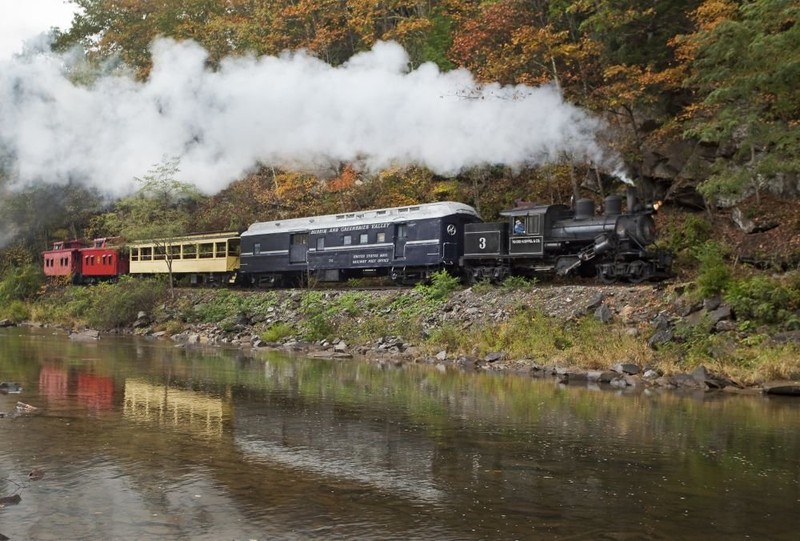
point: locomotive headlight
(657, 205)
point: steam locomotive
(407, 244)
(555, 238)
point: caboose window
(347, 240)
(381, 237)
(364, 238)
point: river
(139, 439)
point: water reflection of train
(186, 410)
(94, 391)
(142, 402)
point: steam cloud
(288, 111)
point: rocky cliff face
(672, 170)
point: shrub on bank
(441, 285)
(714, 274)
(21, 283)
(103, 306)
(117, 305)
(277, 332)
(765, 300)
(15, 311)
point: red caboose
(64, 259)
(103, 261)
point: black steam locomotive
(555, 238)
(409, 243)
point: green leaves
(160, 209)
(746, 67)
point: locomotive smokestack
(633, 201)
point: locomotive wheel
(605, 277)
(639, 271)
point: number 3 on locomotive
(482, 243)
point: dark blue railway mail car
(406, 243)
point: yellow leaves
(626, 84)
(407, 28)
(293, 185)
(706, 17)
(712, 12)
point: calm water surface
(142, 440)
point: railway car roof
(186, 239)
(387, 215)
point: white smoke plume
(288, 111)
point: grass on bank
(529, 334)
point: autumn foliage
(715, 71)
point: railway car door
(450, 243)
(298, 249)
(400, 239)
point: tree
(745, 64)
(33, 215)
(159, 211)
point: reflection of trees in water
(511, 407)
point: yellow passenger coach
(204, 258)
